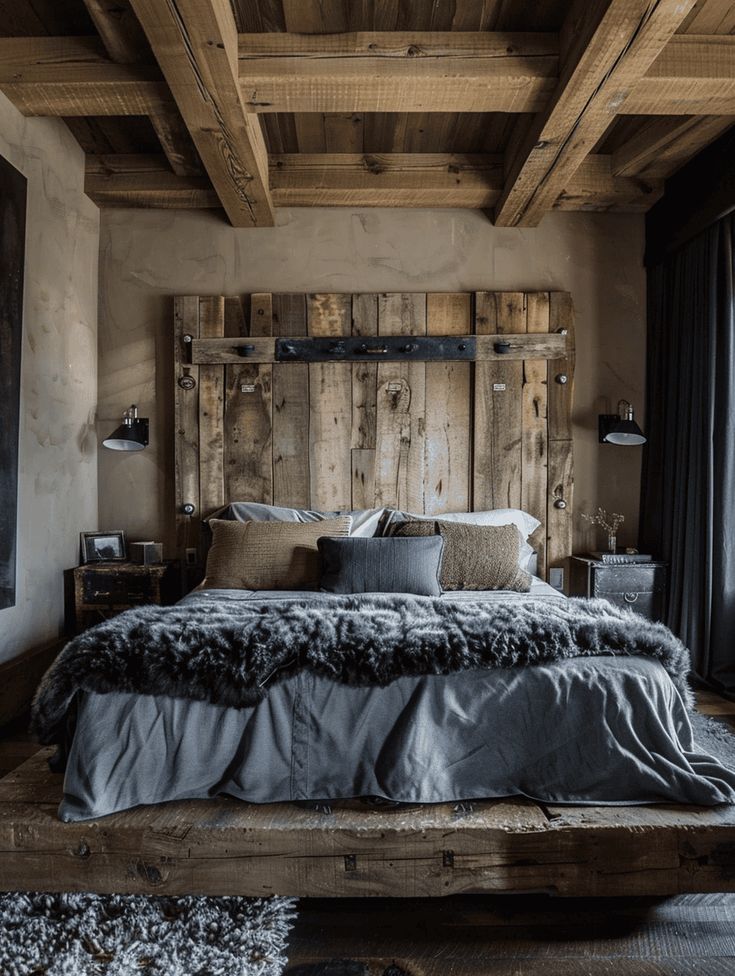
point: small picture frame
(103, 547)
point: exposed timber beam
(144, 181)
(398, 71)
(126, 43)
(74, 76)
(195, 44)
(351, 179)
(437, 180)
(661, 146)
(609, 46)
(693, 75)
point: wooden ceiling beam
(385, 180)
(662, 145)
(472, 181)
(693, 75)
(398, 71)
(469, 181)
(73, 76)
(609, 46)
(126, 43)
(195, 44)
(144, 181)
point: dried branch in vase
(610, 522)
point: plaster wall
(57, 491)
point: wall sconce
(620, 427)
(131, 435)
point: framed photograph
(103, 547)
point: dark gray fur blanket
(227, 652)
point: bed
(580, 776)
(597, 731)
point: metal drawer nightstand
(638, 586)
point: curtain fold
(688, 488)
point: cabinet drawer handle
(630, 597)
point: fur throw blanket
(228, 651)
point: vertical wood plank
(559, 520)
(290, 410)
(363, 478)
(498, 406)
(186, 426)
(330, 404)
(534, 473)
(364, 405)
(447, 462)
(211, 411)
(401, 410)
(248, 419)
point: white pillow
(365, 522)
(525, 523)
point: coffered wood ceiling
(517, 107)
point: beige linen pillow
(476, 557)
(268, 555)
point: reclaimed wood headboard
(427, 436)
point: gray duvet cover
(585, 730)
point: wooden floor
(497, 935)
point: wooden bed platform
(225, 847)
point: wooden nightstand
(638, 586)
(98, 591)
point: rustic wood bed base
(226, 847)
(426, 436)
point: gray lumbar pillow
(393, 565)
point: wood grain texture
(330, 400)
(424, 436)
(248, 442)
(144, 180)
(291, 461)
(199, 847)
(126, 43)
(211, 411)
(74, 76)
(401, 409)
(397, 72)
(560, 494)
(195, 44)
(608, 46)
(186, 424)
(534, 414)
(448, 407)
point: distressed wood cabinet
(98, 591)
(638, 586)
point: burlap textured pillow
(268, 555)
(476, 557)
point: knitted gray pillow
(390, 565)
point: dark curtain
(688, 491)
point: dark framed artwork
(103, 547)
(13, 187)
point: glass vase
(612, 542)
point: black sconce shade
(131, 435)
(620, 428)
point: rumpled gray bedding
(600, 730)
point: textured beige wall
(147, 257)
(57, 492)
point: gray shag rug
(134, 935)
(714, 737)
